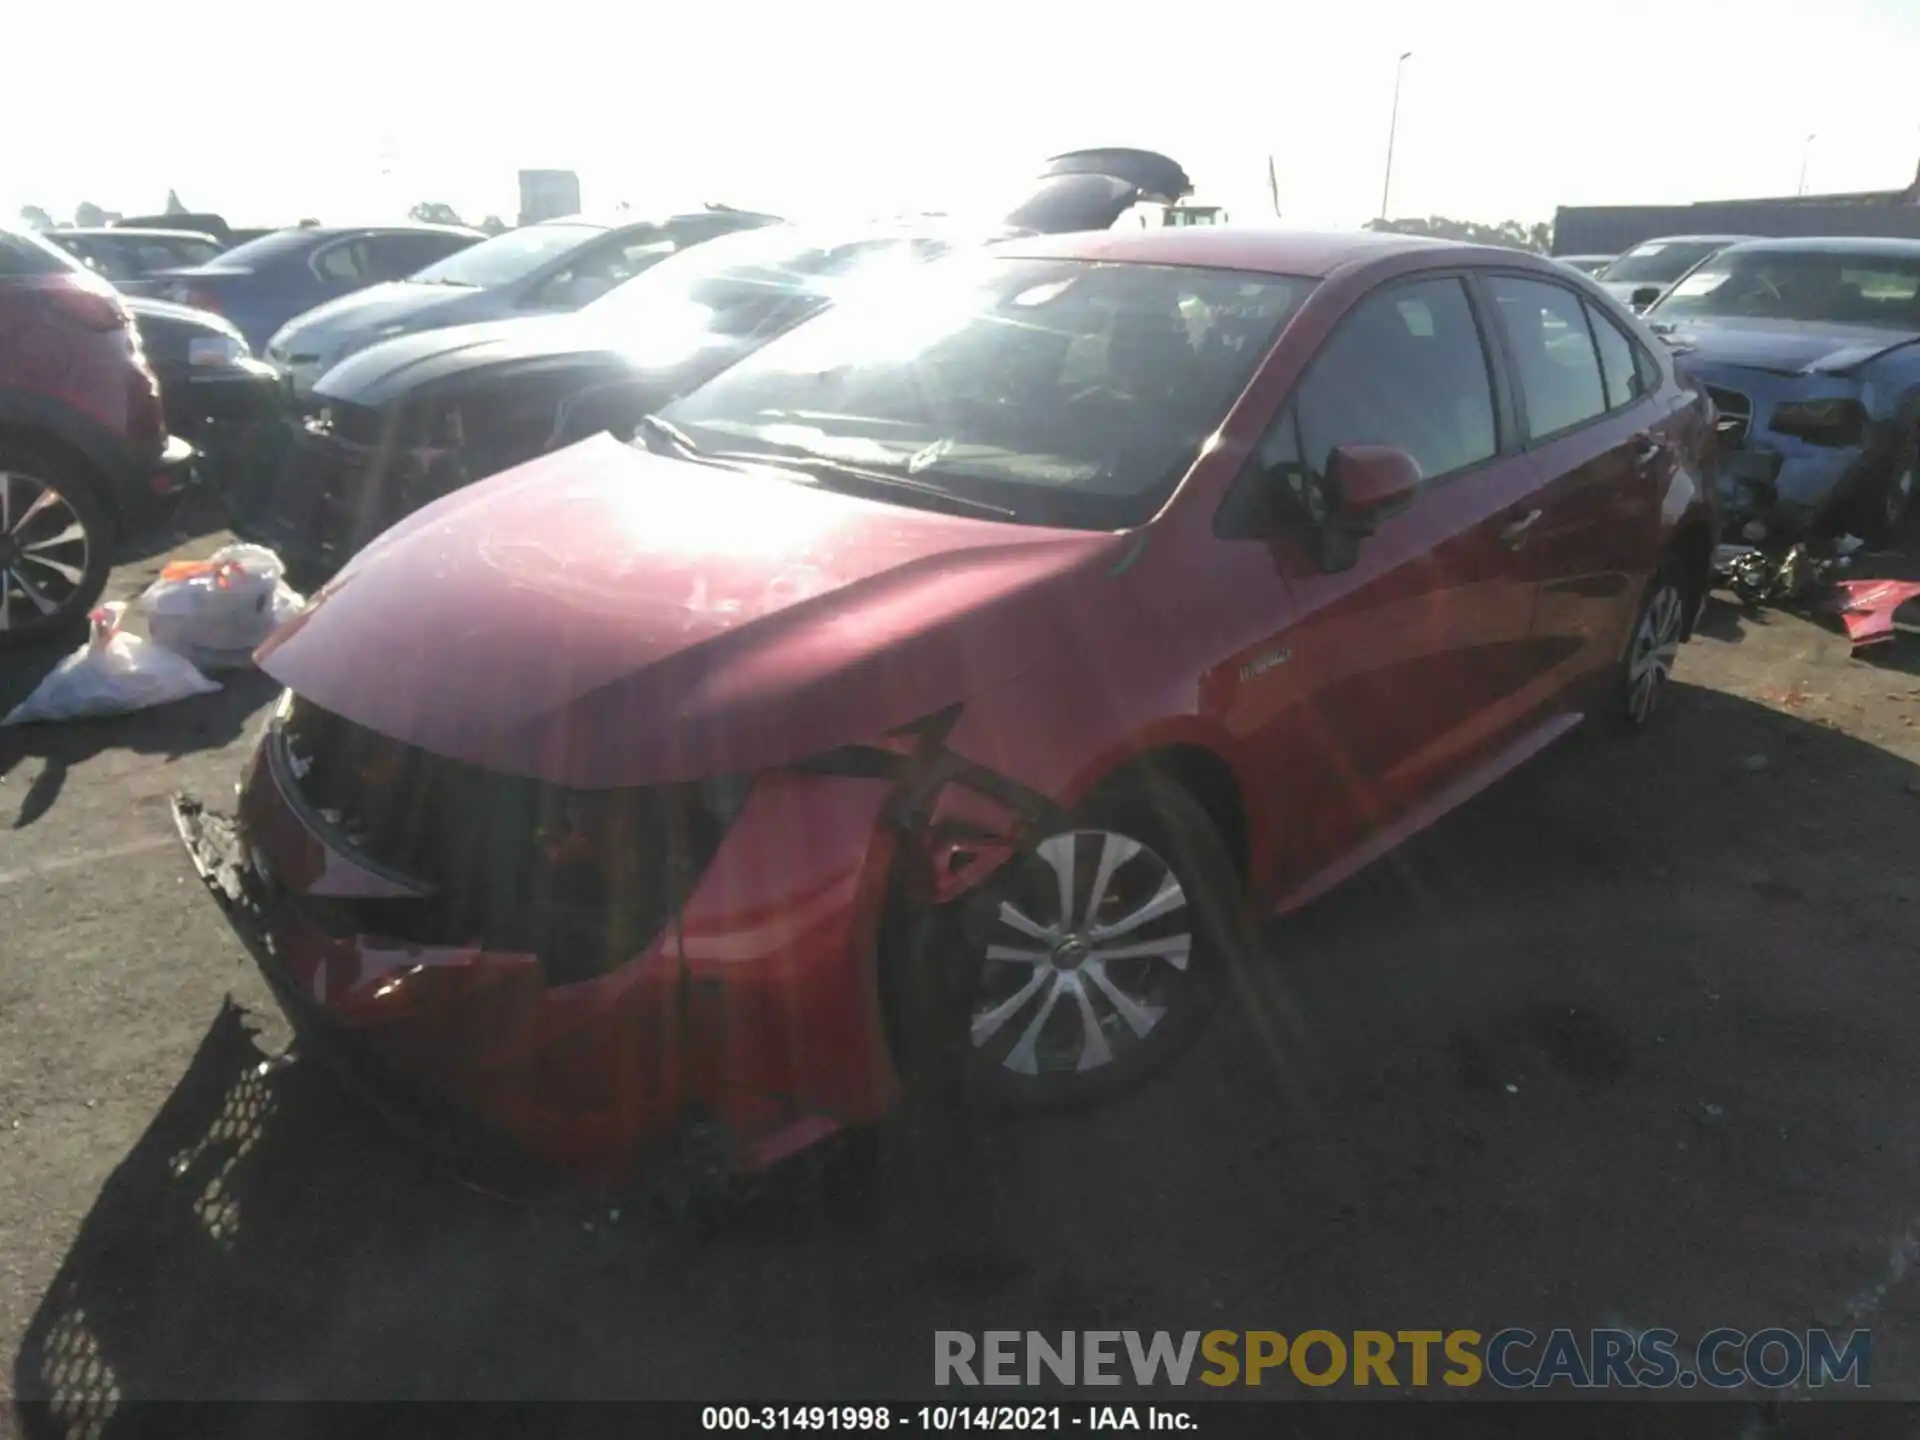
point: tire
(1653, 643)
(56, 546)
(1882, 513)
(1029, 984)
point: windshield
(1659, 262)
(506, 258)
(1808, 285)
(1067, 392)
(741, 282)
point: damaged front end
(666, 985)
(1804, 454)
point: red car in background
(933, 694)
(84, 452)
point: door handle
(1515, 531)
(1646, 450)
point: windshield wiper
(676, 440)
(824, 466)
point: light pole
(1805, 153)
(1393, 124)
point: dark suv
(84, 452)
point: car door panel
(1594, 437)
(1393, 675)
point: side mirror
(1370, 481)
(1644, 296)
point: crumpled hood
(360, 317)
(604, 617)
(383, 372)
(1778, 346)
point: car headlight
(1838, 422)
(212, 352)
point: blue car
(549, 268)
(1810, 350)
(261, 285)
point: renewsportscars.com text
(1511, 1359)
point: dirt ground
(1628, 1040)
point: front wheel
(1095, 956)
(55, 546)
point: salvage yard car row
(840, 666)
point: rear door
(1401, 670)
(1584, 397)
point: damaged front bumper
(1778, 484)
(750, 1026)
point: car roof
(128, 232)
(1310, 253)
(1687, 240)
(1887, 247)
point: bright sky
(357, 108)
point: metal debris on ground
(1866, 607)
(1804, 576)
(1763, 577)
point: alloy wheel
(1656, 645)
(1086, 957)
(44, 552)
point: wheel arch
(1208, 779)
(1691, 549)
(58, 431)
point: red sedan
(935, 693)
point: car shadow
(182, 727)
(1438, 1091)
(198, 513)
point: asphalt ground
(1628, 1040)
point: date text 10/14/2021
(941, 1419)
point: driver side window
(1407, 368)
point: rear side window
(350, 260)
(1406, 367)
(1553, 353)
(1620, 360)
(394, 257)
(21, 258)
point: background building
(548, 194)
(1611, 229)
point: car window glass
(1648, 368)
(1405, 368)
(345, 260)
(600, 268)
(1659, 262)
(1619, 360)
(1823, 285)
(1553, 352)
(395, 257)
(1067, 391)
(21, 257)
(106, 258)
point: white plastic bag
(218, 611)
(112, 674)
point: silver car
(1642, 275)
(549, 268)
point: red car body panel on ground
(604, 619)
